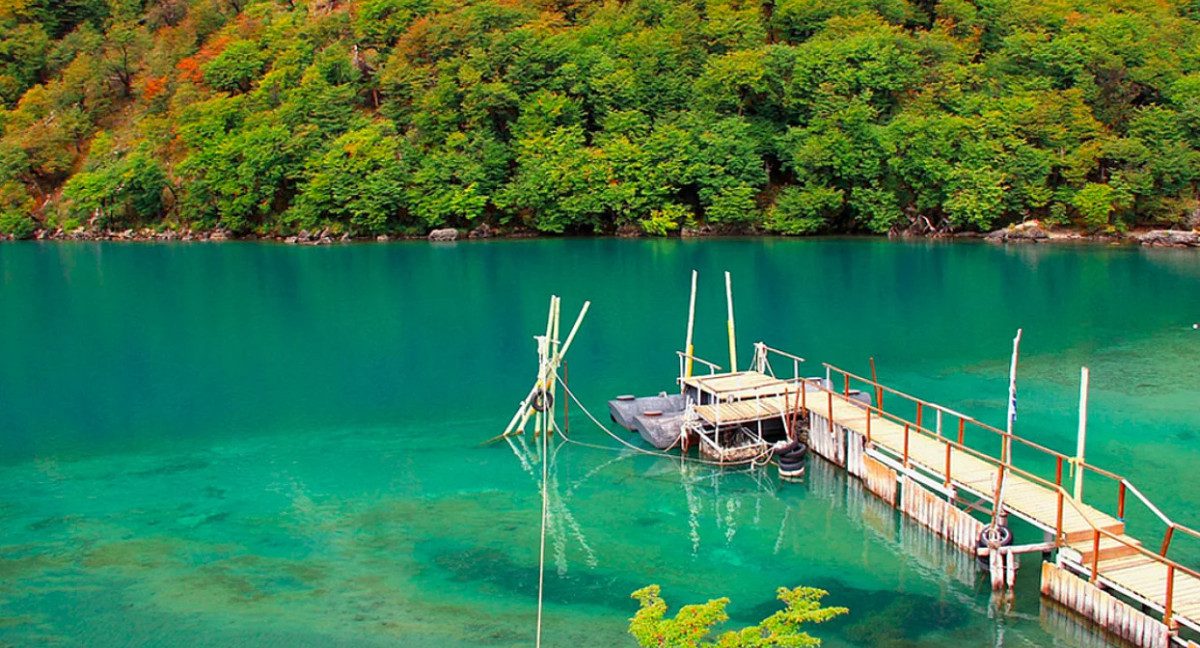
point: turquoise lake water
(255, 444)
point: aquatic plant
(693, 625)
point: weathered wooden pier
(929, 462)
(922, 465)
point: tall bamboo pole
(687, 346)
(1012, 399)
(554, 355)
(574, 329)
(729, 322)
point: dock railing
(762, 360)
(685, 357)
(1005, 464)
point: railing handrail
(1064, 499)
(781, 353)
(964, 417)
(979, 454)
(1032, 444)
(689, 356)
(1145, 500)
(1058, 488)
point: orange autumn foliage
(190, 67)
(153, 87)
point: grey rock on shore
(445, 234)
(1027, 231)
(1170, 238)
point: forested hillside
(791, 116)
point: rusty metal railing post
(868, 423)
(947, 481)
(1058, 527)
(1121, 501)
(1167, 540)
(1168, 608)
(919, 414)
(846, 385)
(829, 404)
(962, 428)
(1095, 554)
(906, 445)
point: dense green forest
(790, 116)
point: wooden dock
(1092, 544)
(928, 470)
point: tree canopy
(790, 116)
(693, 625)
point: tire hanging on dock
(793, 453)
(993, 537)
(542, 400)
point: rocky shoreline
(1027, 232)
(1035, 232)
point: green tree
(1094, 203)
(235, 68)
(120, 189)
(693, 625)
(804, 210)
(360, 181)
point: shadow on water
(879, 618)
(496, 572)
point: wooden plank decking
(1119, 565)
(741, 385)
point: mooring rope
(753, 461)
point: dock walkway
(939, 479)
(1095, 539)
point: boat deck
(747, 396)
(740, 385)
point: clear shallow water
(248, 444)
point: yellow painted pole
(687, 347)
(732, 337)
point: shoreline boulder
(1027, 231)
(444, 234)
(1169, 238)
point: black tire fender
(542, 400)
